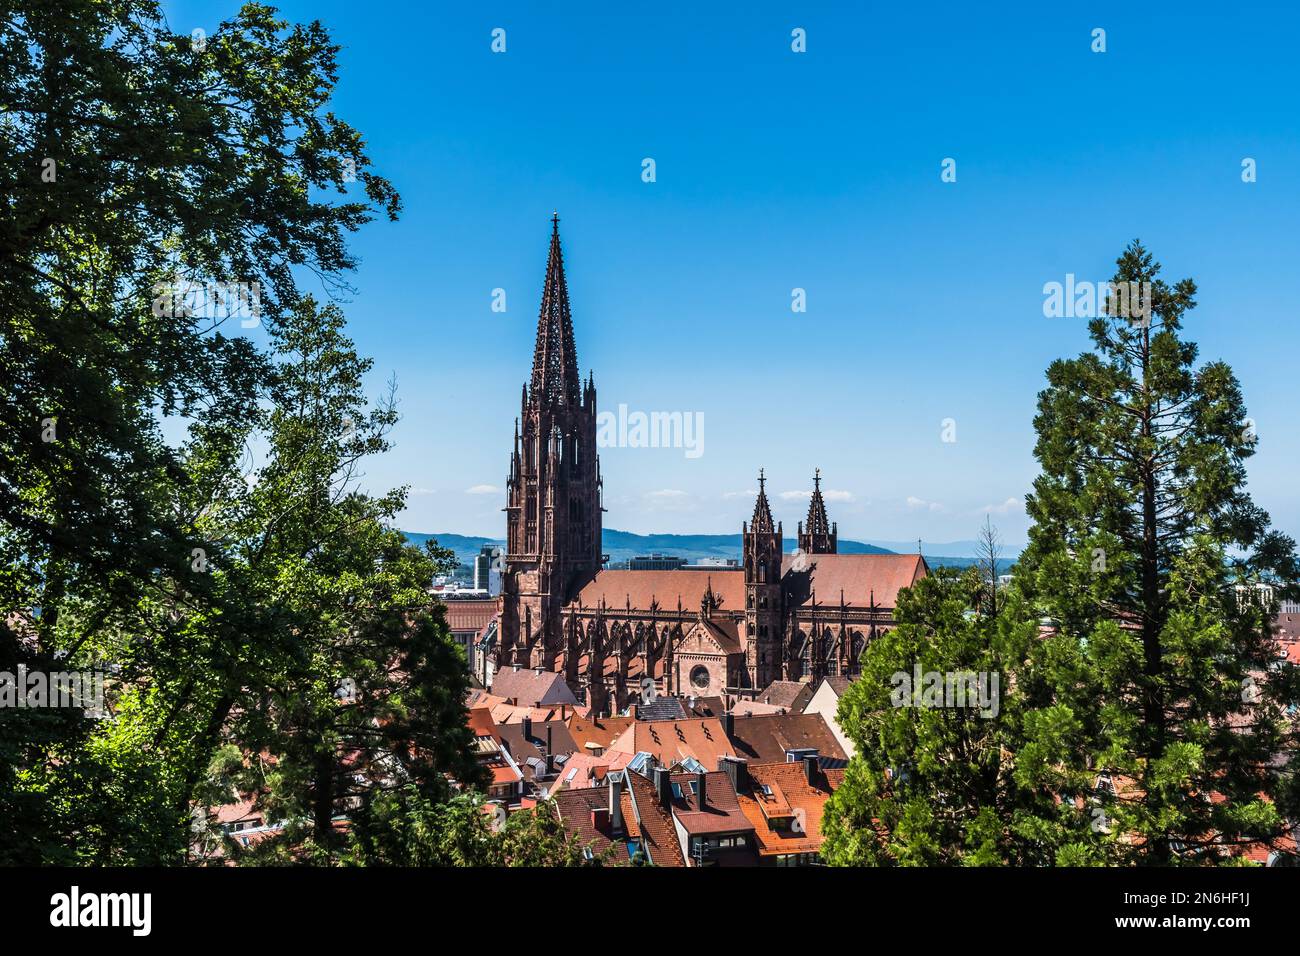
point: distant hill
(622, 545)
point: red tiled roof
(655, 823)
(584, 813)
(671, 741)
(600, 731)
(726, 634)
(530, 687)
(766, 738)
(720, 812)
(860, 576)
(789, 694)
(792, 797)
(470, 615)
(665, 587)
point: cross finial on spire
(555, 221)
(760, 479)
(817, 477)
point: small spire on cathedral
(817, 536)
(762, 520)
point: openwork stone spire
(818, 535)
(762, 520)
(555, 358)
(817, 523)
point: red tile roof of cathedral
(616, 587)
(861, 577)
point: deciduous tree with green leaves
(267, 630)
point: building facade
(619, 635)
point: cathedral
(799, 616)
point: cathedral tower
(761, 546)
(817, 536)
(553, 492)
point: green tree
(139, 161)
(1151, 720)
(932, 782)
(1144, 552)
(364, 690)
(459, 832)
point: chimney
(663, 786)
(809, 767)
(616, 802)
(700, 779)
(550, 754)
(728, 724)
(528, 729)
(564, 709)
(736, 770)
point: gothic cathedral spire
(553, 498)
(555, 357)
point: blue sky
(820, 170)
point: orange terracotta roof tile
(642, 587)
(787, 815)
(471, 615)
(671, 741)
(861, 577)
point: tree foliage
(182, 506)
(1147, 717)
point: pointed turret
(817, 535)
(555, 358)
(761, 523)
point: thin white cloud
(669, 499)
(751, 493)
(424, 491)
(920, 504)
(483, 490)
(1006, 508)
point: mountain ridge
(622, 545)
